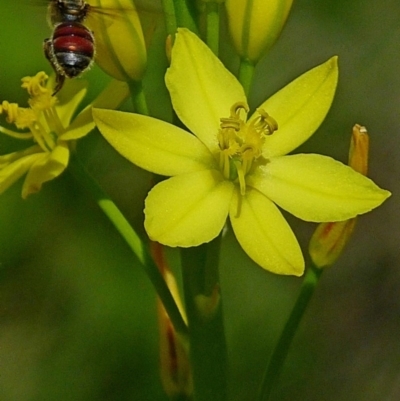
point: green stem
(133, 241)
(246, 73)
(281, 350)
(212, 34)
(206, 329)
(138, 97)
(184, 14)
(169, 16)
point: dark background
(77, 315)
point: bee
(71, 47)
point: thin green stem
(138, 97)
(206, 329)
(169, 16)
(184, 10)
(132, 240)
(212, 23)
(281, 350)
(246, 74)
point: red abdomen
(73, 37)
(73, 46)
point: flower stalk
(184, 11)
(212, 25)
(246, 74)
(206, 328)
(281, 350)
(169, 17)
(138, 97)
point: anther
(265, 123)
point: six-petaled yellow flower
(235, 165)
(47, 125)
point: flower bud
(359, 148)
(256, 24)
(329, 239)
(176, 375)
(120, 45)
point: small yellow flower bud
(329, 239)
(120, 45)
(256, 24)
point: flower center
(40, 118)
(241, 142)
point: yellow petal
(202, 90)
(80, 127)
(317, 188)
(46, 168)
(300, 107)
(188, 210)
(74, 90)
(264, 234)
(15, 170)
(152, 144)
(110, 98)
(6, 159)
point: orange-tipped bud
(176, 375)
(359, 148)
(329, 239)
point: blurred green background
(77, 314)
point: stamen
(229, 123)
(239, 206)
(242, 181)
(241, 143)
(35, 86)
(224, 164)
(40, 137)
(234, 121)
(235, 110)
(16, 135)
(54, 122)
(264, 123)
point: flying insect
(71, 47)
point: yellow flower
(256, 24)
(120, 45)
(234, 166)
(50, 130)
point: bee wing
(107, 12)
(104, 13)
